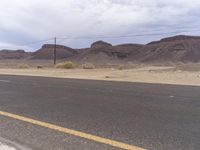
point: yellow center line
(72, 132)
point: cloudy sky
(25, 21)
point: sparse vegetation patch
(121, 67)
(88, 66)
(23, 66)
(39, 67)
(65, 65)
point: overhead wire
(63, 38)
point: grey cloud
(29, 20)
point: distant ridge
(180, 48)
(177, 38)
(16, 54)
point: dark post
(54, 51)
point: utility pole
(55, 46)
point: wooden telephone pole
(55, 51)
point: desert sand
(146, 74)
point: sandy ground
(148, 74)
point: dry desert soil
(184, 74)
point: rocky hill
(103, 52)
(47, 52)
(178, 48)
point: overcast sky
(24, 21)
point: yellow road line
(73, 132)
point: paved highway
(66, 114)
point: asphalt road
(149, 116)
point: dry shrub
(107, 76)
(121, 67)
(65, 65)
(23, 66)
(88, 66)
(39, 67)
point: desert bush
(65, 65)
(88, 66)
(107, 76)
(23, 66)
(121, 67)
(39, 67)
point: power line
(104, 37)
(36, 42)
(125, 36)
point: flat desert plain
(184, 74)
